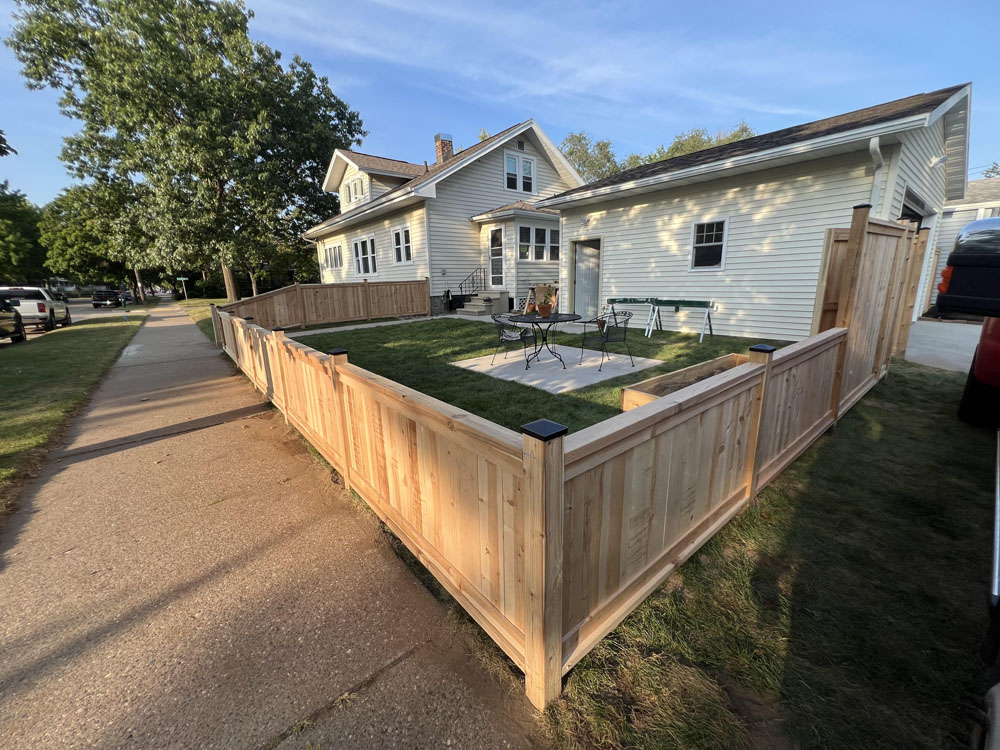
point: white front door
(495, 268)
(587, 278)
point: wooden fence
(312, 304)
(548, 540)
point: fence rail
(550, 541)
(313, 304)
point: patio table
(544, 325)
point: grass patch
(43, 381)
(200, 312)
(321, 326)
(418, 355)
(844, 610)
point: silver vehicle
(37, 307)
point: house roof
(723, 156)
(370, 163)
(421, 186)
(512, 209)
(980, 191)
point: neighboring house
(467, 221)
(982, 201)
(743, 224)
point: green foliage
(5, 148)
(78, 229)
(22, 257)
(595, 160)
(217, 148)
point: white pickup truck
(37, 306)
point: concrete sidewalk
(183, 574)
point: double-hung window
(537, 244)
(401, 250)
(364, 256)
(540, 243)
(524, 243)
(355, 190)
(519, 172)
(553, 244)
(709, 246)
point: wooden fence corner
(760, 354)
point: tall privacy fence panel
(549, 540)
(314, 304)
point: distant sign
(182, 278)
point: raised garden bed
(653, 388)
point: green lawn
(418, 355)
(43, 381)
(200, 313)
(844, 610)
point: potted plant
(544, 294)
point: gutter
(879, 162)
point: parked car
(11, 325)
(106, 298)
(38, 306)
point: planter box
(649, 390)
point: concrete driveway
(943, 344)
(183, 574)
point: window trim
(520, 157)
(532, 243)
(403, 245)
(355, 246)
(355, 189)
(725, 245)
(333, 257)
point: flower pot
(601, 324)
(544, 310)
(529, 308)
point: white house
(469, 221)
(981, 201)
(743, 224)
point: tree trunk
(232, 289)
(253, 283)
(204, 275)
(142, 290)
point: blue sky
(633, 72)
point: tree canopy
(219, 147)
(595, 160)
(22, 258)
(81, 232)
(993, 170)
(5, 148)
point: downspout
(316, 248)
(879, 162)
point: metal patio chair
(610, 328)
(508, 334)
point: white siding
(776, 222)
(380, 184)
(381, 228)
(455, 241)
(349, 174)
(915, 171)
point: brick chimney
(443, 148)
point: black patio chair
(509, 333)
(609, 328)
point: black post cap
(544, 429)
(334, 352)
(765, 348)
(249, 317)
(863, 205)
(278, 328)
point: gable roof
(422, 185)
(370, 163)
(919, 107)
(513, 209)
(980, 191)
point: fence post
(838, 380)
(215, 323)
(761, 354)
(339, 357)
(852, 258)
(300, 298)
(543, 542)
(427, 296)
(368, 299)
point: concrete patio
(548, 374)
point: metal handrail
(473, 282)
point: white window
(332, 257)
(537, 244)
(364, 256)
(519, 172)
(354, 190)
(709, 246)
(401, 251)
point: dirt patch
(665, 388)
(762, 717)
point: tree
(595, 160)
(5, 149)
(77, 230)
(483, 134)
(227, 144)
(993, 170)
(22, 258)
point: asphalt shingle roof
(981, 191)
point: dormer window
(519, 172)
(354, 190)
